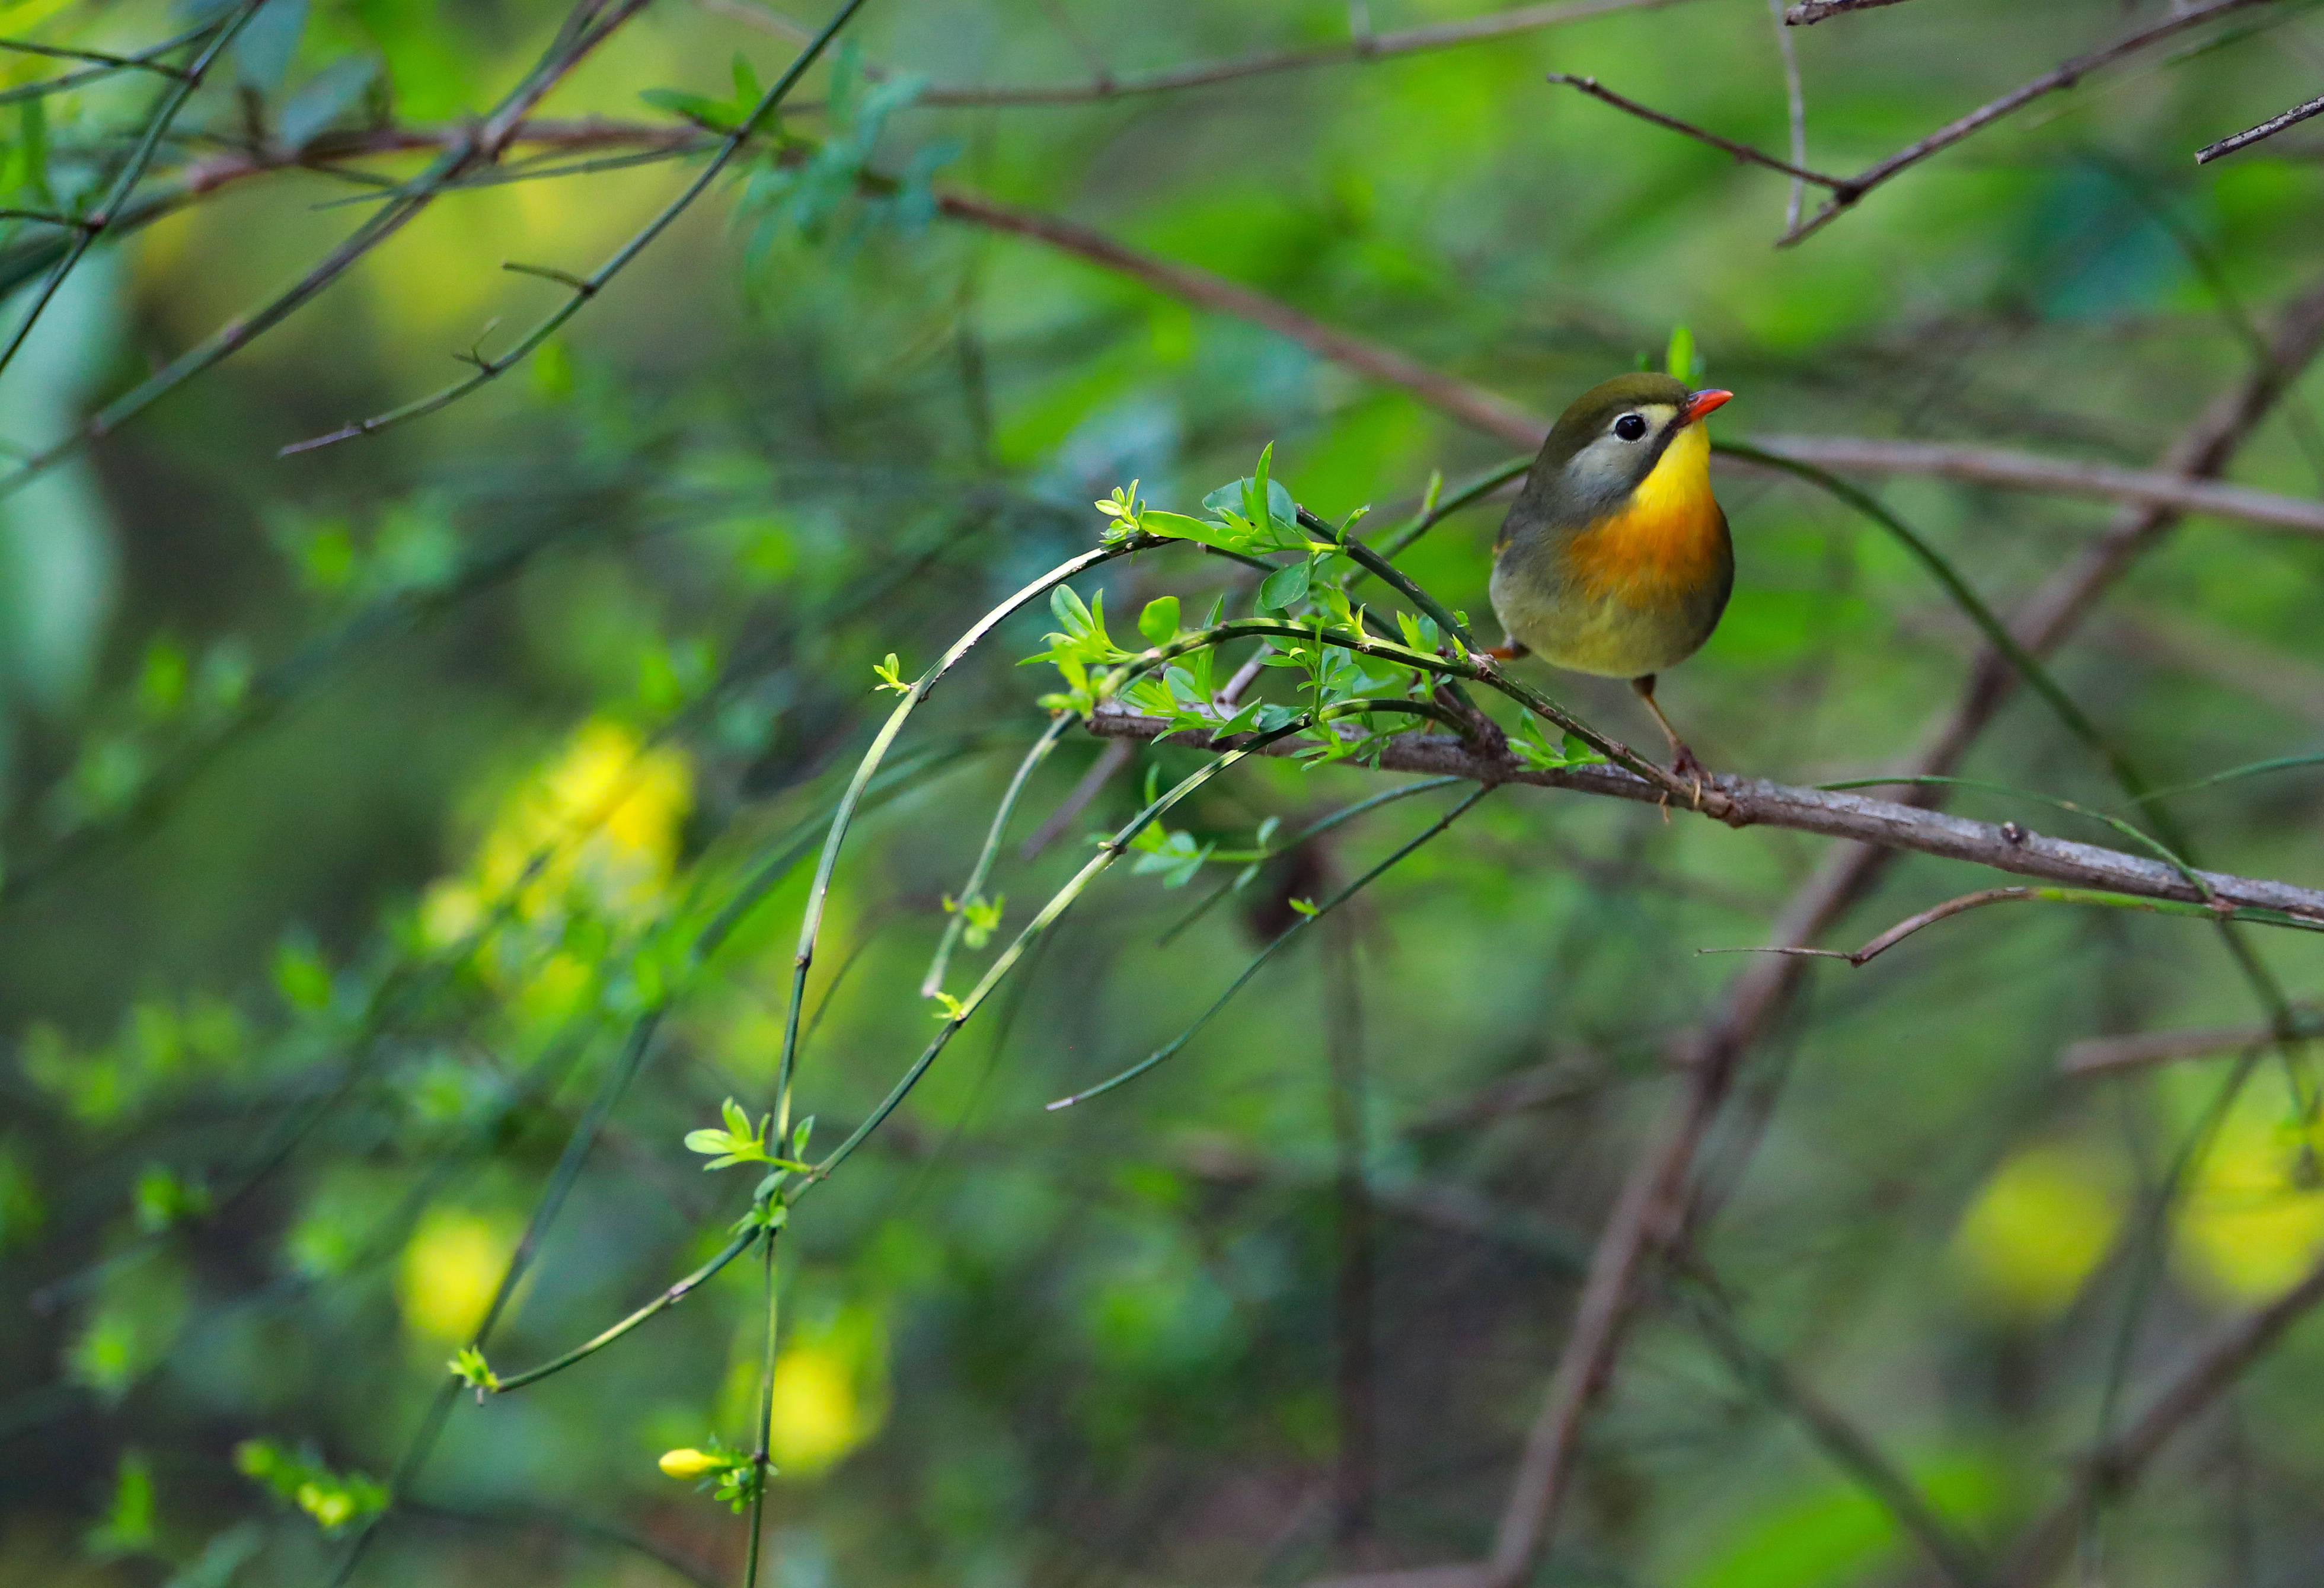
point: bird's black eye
(1629, 426)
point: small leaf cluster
(334, 1500)
(980, 917)
(739, 1142)
(826, 190)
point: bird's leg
(1682, 761)
(1508, 652)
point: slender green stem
(1398, 540)
(973, 889)
(1373, 562)
(133, 171)
(2233, 774)
(819, 890)
(742, 1243)
(1267, 952)
(1111, 850)
(763, 1446)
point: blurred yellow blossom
(450, 1268)
(2251, 1221)
(830, 1389)
(597, 826)
(2040, 1224)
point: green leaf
(1159, 621)
(1286, 586)
(1683, 363)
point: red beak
(1699, 403)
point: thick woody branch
(1746, 802)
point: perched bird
(1615, 559)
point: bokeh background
(359, 805)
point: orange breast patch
(1664, 542)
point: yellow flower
(2039, 1225)
(687, 1463)
(449, 1272)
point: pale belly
(1604, 634)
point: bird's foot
(1685, 765)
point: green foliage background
(362, 807)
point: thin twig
(2100, 1055)
(1110, 760)
(1796, 108)
(2030, 471)
(2267, 129)
(1978, 900)
(2064, 75)
(497, 134)
(1742, 151)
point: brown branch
(2119, 1465)
(1831, 813)
(1816, 11)
(2064, 75)
(2029, 471)
(1965, 902)
(2267, 129)
(2101, 1055)
(1470, 404)
(1656, 1202)
(1742, 151)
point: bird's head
(1617, 433)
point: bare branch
(2029, 471)
(1816, 11)
(2267, 129)
(1745, 802)
(1978, 900)
(2064, 75)
(1470, 404)
(2103, 1054)
(1742, 151)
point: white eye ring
(1630, 427)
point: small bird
(1615, 559)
